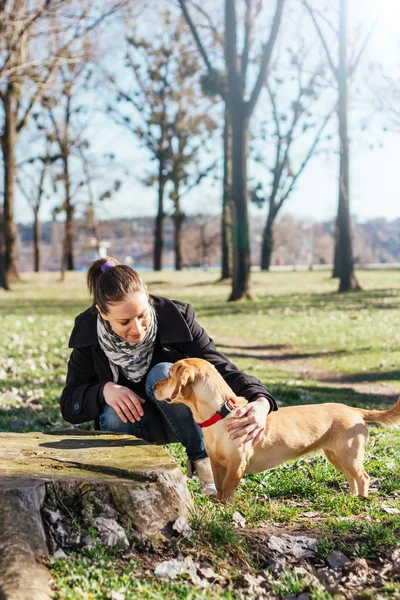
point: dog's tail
(388, 418)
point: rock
(175, 567)
(60, 555)
(238, 520)
(111, 533)
(182, 527)
(298, 546)
(337, 559)
(327, 577)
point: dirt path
(303, 367)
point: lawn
(348, 349)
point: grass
(296, 315)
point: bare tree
(343, 70)
(298, 128)
(164, 108)
(31, 182)
(31, 50)
(240, 101)
(66, 129)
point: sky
(375, 184)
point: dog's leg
(231, 480)
(352, 460)
(335, 462)
(219, 475)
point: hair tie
(106, 265)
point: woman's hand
(249, 421)
(126, 403)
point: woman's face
(130, 318)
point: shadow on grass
(298, 303)
(282, 357)
(366, 377)
(39, 307)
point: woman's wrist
(263, 400)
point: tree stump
(143, 481)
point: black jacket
(179, 336)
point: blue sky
(375, 184)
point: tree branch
(266, 57)
(195, 34)
(323, 40)
(246, 44)
(354, 66)
(308, 155)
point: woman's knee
(110, 421)
(158, 372)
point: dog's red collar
(225, 409)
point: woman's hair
(111, 282)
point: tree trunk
(37, 234)
(159, 225)
(178, 217)
(267, 243)
(348, 279)
(240, 223)
(9, 139)
(69, 217)
(336, 252)
(226, 221)
(3, 274)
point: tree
(66, 132)
(32, 185)
(37, 38)
(226, 220)
(169, 117)
(294, 91)
(342, 71)
(240, 100)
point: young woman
(123, 344)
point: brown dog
(291, 432)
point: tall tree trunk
(37, 234)
(336, 252)
(159, 224)
(240, 223)
(348, 279)
(267, 242)
(69, 218)
(9, 139)
(178, 217)
(3, 274)
(226, 221)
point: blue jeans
(162, 423)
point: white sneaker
(208, 489)
(204, 472)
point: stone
(143, 481)
(337, 559)
(298, 547)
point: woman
(123, 344)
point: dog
(293, 431)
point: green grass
(300, 315)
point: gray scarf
(133, 360)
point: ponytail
(109, 282)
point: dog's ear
(185, 374)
